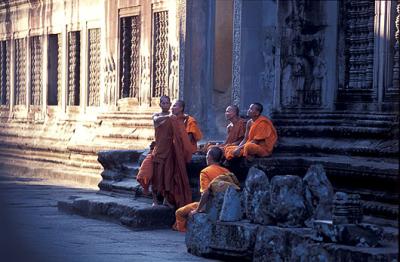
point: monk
(236, 127)
(260, 136)
(234, 131)
(207, 175)
(171, 152)
(190, 123)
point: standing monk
(259, 139)
(207, 175)
(169, 156)
(192, 129)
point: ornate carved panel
(20, 71)
(396, 53)
(160, 54)
(94, 67)
(74, 51)
(129, 46)
(36, 70)
(359, 50)
(4, 73)
(303, 64)
(59, 67)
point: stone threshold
(136, 213)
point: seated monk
(219, 184)
(235, 129)
(190, 122)
(260, 136)
(165, 169)
(212, 171)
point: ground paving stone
(32, 229)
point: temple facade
(79, 76)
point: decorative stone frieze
(94, 67)
(4, 73)
(74, 51)
(36, 70)
(20, 71)
(160, 54)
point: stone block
(198, 234)
(235, 239)
(318, 193)
(287, 201)
(214, 206)
(361, 235)
(256, 196)
(232, 206)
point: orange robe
(170, 155)
(235, 132)
(146, 172)
(206, 176)
(261, 129)
(192, 127)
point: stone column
(236, 50)
(12, 74)
(28, 72)
(64, 69)
(84, 67)
(45, 84)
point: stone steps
(345, 146)
(132, 212)
(375, 179)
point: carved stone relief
(173, 79)
(94, 68)
(304, 73)
(145, 95)
(130, 40)
(268, 52)
(237, 27)
(36, 70)
(110, 73)
(396, 56)
(59, 68)
(20, 71)
(160, 54)
(74, 48)
(4, 73)
(359, 44)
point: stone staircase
(120, 198)
(358, 151)
(67, 142)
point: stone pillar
(45, 85)
(28, 91)
(84, 67)
(12, 74)
(64, 69)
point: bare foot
(154, 204)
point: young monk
(171, 152)
(212, 171)
(190, 123)
(260, 136)
(236, 127)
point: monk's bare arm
(158, 118)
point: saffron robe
(170, 155)
(261, 130)
(206, 176)
(235, 132)
(146, 172)
(192, 127)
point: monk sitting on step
(212, 171)
(234, 131)
(259, 139)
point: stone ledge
(134, 213)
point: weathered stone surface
(214, 206)
(318, 193)
(115, 162)
(287, 201)
(198, 234)
(232, 209)
(280, 244)
(361, 235)
(256, 196)
(135, 213)
(234, 239)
